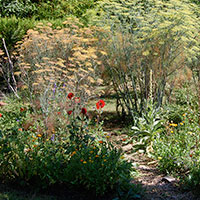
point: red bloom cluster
(100, 104)
(1, 115)
(70, 95)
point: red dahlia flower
(70, 95)
(1, 115)
(84, 111)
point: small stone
(127, 147)
(168, 179)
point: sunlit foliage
(60, 56)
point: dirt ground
(158, 186)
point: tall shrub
(149, 41)
(65, 57)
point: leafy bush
(192, 180)
(75, 156)
(178, 148)
(18, 8)
(184, 98)
(60, 8)
(41, 10)
(196, 1)
(13, 30)
(147, 128)
(182, 101)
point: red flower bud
(97, 105)
(84, 111)
(70, 95)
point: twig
(10, 86)
(14, 89)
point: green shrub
(185, 98)
(13, 30)
(178, 148)
(13, 116)
(18, 8)
(147, 128)
(193, 179)
(59, 8)
(41, 10)
(173, 113)
(196, 1)
(181, 102)
(72, 154)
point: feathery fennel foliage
(149, 42)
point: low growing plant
(71, 154)
(147, 128)
(177, 148)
